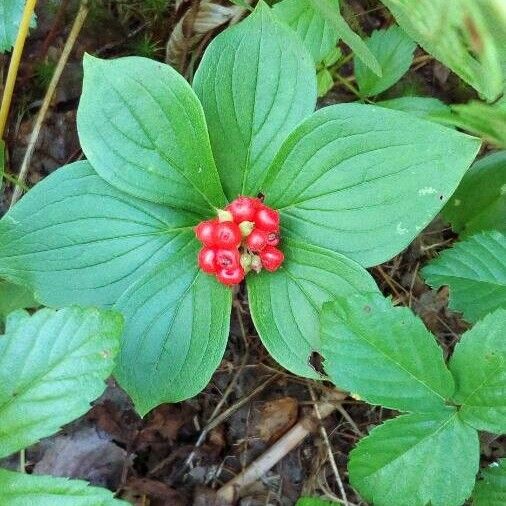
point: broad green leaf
(325, 81)
(256, 82)
(52, 365)
(11, 12)
(285, 305)
(394, 51)
(416, 460)
(14, 297)
(313, 501)
(478, 365)
(365, 180)
(17, 489)
(74, 239)
(350, 38)
(143, 130)
(176, 329)
(490, 490)
(475, 271)
(480, 201)
(383, 354)
(423, 107)
(459, 34)
(317, 32)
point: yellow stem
(14, 65)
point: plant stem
(14, 64)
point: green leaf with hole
(490, 490)
(17, 489)
(256, 82)
(143, 130)
(285, 305)
(52, 365)
(479, 203)
(14, 297)
(475, 271)
(74, 239)
(478, 365)
(416, 460)
(176, 329)
(383, 354)
(364, 180)
(394, 51)
(422, 107)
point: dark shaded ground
(148, 461)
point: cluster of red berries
(243, 238)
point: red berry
(227, 235)
(243, 208)
(271, 258)
(272, 238)
(267, 219)
(207, 257)
(231, 276)
(227, 258)
(205, 232)
(257, 240)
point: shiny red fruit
(228, 258)
(273, 238)
(267, 219)
(243, 208)
(231, 276)
(207, 257)
(205, 232)
(271, 258)
(227, 235)
(257, 240)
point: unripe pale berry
(230, 276)
(207, 258)
(205, 232)
(227, 258)
(243, 208)
(271, 258)
(267, 219)
(227, 235)
(257, 240)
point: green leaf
(350, 38)
(385, 355)
(394, 51)
(143, 130)
(475, 271)
(256, 82)
(491, 489)
(316, 31)
(2, 161)
(480, 201)
(18, 489)
(478, 365)
(313, 501)
(14, 297)
(176, 329)
(285, 305)
(459, 34)
(325, 82)
(416, 460)
(11, 12)
(52, 365)
(364, 180)
(423, 107)
(74, 239)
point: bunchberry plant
(349, 186)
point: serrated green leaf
(143, 130)
(365, 180)
(478, 365)
(491, 489)
(383, 354)
(74, 239)
(318, 33)
(256, 82)
(176, 330)
(423, 107)
(14, 297)
(325, 82)
(394, 51)
(285, 305)
(52, 365)
(475, 271)
(18, 489)
(479, 203)
(416, 460)
(459, 34)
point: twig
(277, 451)
(69, 44)
(14, 64)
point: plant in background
(52, 365)
(353, 185)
